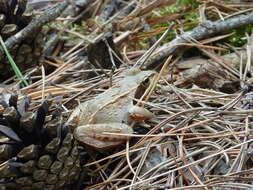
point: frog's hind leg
(98, 144)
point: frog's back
(113, 104)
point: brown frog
(112, 111)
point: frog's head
(141, 78)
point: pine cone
(13, 18)
(36, 154)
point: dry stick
(49, 77)
(140, 164)
(237, 164)
(141, 61)
(152, 86)
(248, 171)
(183, 152)
(34, 25)
(119, 172)
(128, 158)
(167, 163)
(233, 71)
(43, 83)
(215, 145)
(248, 64)
(199, 33)
(182, 167)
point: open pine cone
(35, 153)
(13, 18)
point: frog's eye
(146, 82)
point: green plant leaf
(13, 64)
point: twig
(200, 32)
(34, 25)
(146, 55)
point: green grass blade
(13, 64)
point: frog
(112, 111)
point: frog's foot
(97, 135)
(140, 113)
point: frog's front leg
(140, 114)
(94, 135)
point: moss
(189, 19)
(239, 39)
(193, 3)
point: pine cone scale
(39, 158)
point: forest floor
(200, 135)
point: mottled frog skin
(111, 111)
